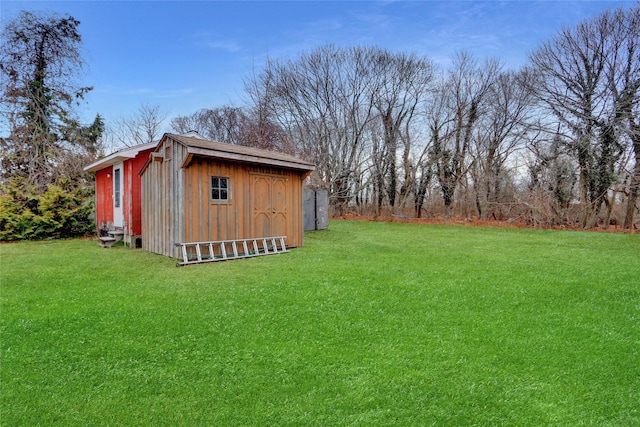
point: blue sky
(184, 56)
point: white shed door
(118, 198)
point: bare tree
(323, 100)
(580, 71)
(502, 130)
(184, 124)
(634, 178)
(263, 128)
(464, 95)
(223, 124)
(143, 127)
(625, 82)
(552, 176)
(402, 83)
(383, 130)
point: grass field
(370, 324)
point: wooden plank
(106, 242)
(201, 203)
(238, 202)
(227, 227)
(164, 171)
(218, 209)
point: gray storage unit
(316, 209)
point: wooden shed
(118, 197)
(195, 190)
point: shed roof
(196, 146)
(119, 156)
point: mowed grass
(370, 324)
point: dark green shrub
(57, 213)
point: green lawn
(370, 324)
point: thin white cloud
(139, 91)
(213, 41)
(227, 45)
(175, 93)
(373, 20)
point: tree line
(556, 142)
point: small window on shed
(116, 188)
(167, 153)
(219, 189)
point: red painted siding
(131, 197)
(133, 192)
(104, 200)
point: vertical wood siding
(162, 201)
(177, 205)
(132, 193)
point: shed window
(219, 189)
(116, 188)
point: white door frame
(118, 196)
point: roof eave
(118, 157)
(105, 162)
(217, 154)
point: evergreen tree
(40, 63)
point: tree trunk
(635, 180)
(633, 197)
(609, 204)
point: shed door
(269, 205)
(118, 178)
